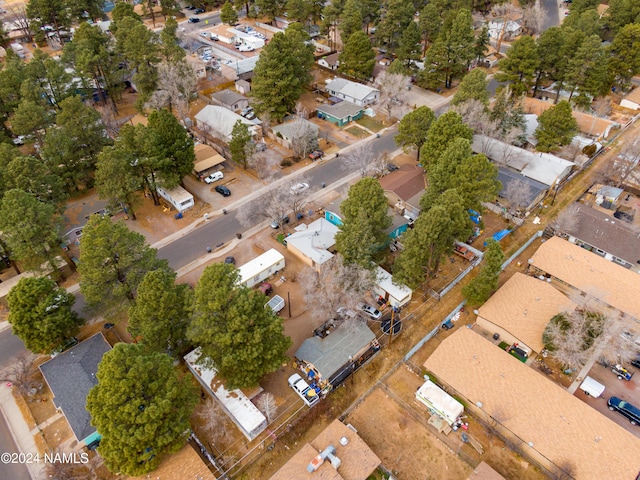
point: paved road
(10, 346)
(552, 17)
(223, 229)
(10, 471)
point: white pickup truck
(304, 391)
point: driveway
(629, 391)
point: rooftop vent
(344, 441)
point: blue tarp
(475, 216)
(499, 235)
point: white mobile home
(261, 268)
(178, 197)
(395, 294)
(439, 402)
(236, 405)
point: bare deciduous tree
(518, 192)
(393, 88)
(17, 15)
(213, 419)
(363, 159)
(267, 404)
(275, 204)
(176, 83)
(567, 220)
(507, 11)
(563, 470)
(475, 114)
(21, 373)
(265, 165)
(335, 284)
(533, 16)
(625, 162)
(303, 137)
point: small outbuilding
(260, 268)
(439, 402)
(632, 99)
(395, 294)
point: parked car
(230, 260)
(299, 188)
(625, 409)
(636, 361)
(265, 288)
(391, 167)
(621, 372)
(194, 20)
(276, 224)
(214, 37)
(109, 326)
(214, 177)
(222, 190)
(190, 7)
(246, 111)
(316, 154)
(371, 311)
(245, 48)
(250, 116)
(19, 140)
(198, 11)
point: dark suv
(625, 409)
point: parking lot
(626, 390)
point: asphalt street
(224, 228)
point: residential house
(508, 31)
(521, 309)
(597, 128)
(219, 121)
(533, 191)
(632, 99)
(198, 65)
(45, 269)
(286, 133)
(573, 268)
(353, 92)
(330, 61)
(403, 189)
(235, 403)
(340, 113)
(335, 351)
(230, 99)
(311, 243)
(545, 168)
(604, 235)
(545, 422)
(337, 453)
(70, 375)
(185, 463)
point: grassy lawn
(356, 132)
(370, 123)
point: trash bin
(238, 236)
(178, 216)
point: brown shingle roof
(558, 425)
(185, 463)
(405, 182)
(523, 306)
(610, 283)
(357, 460)
(484, 472)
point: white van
(591, 388)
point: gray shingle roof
(328, 354)
(228, 97)
(340, 110)
(70, 376)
